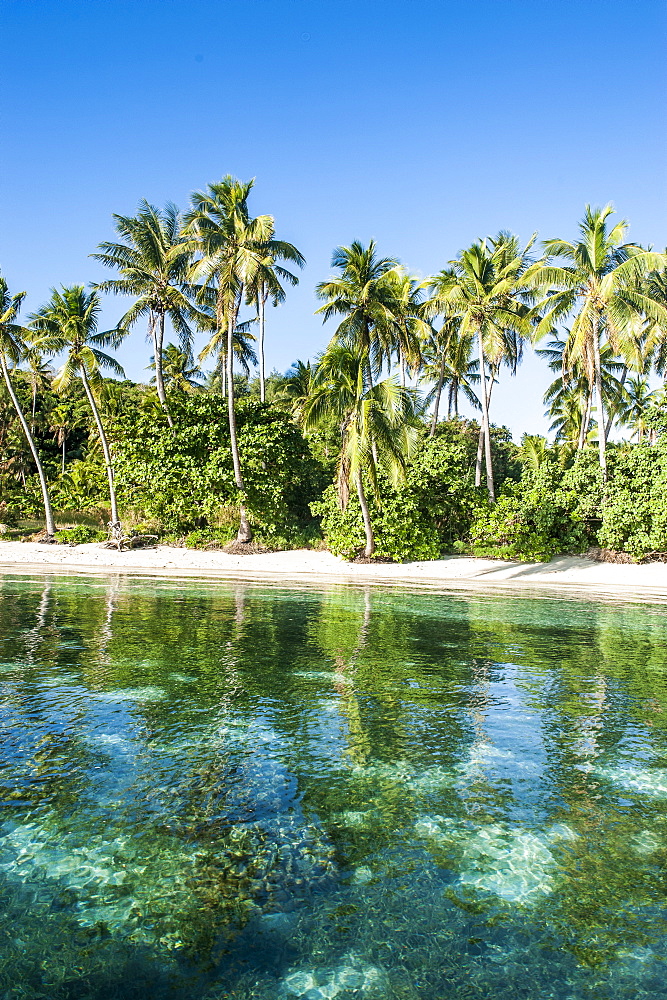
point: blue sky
(421, 124)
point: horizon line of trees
(400, 345)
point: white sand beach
(565, 573)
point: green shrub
(80, 534)
(634, 505)
(185, 478)
(401, 531)
(530, 522)
(418, 520)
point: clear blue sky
(421, 124)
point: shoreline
(574, 575)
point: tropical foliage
(362, 448)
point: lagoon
(228, 790)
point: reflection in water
(217, 791)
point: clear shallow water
(223, 791)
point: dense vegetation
(351, 449)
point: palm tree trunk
(368, 527)
(48, 511)
(402, 363)
(245, 531)
(438, 393)
(261, 302)
(485, 423)
(602, 436)
(115, 520)
(64, 447)
(585, 420)
(611, 415)
(157, 332)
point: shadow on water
(216, 791)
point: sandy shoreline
(564, 574)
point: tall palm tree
(404, 334)
(153, 262)
(574, 386)
(482, 287)
(378, 424)
(639, 398)
(601, 283)
(37, 374)
(447, 361)
(364, 297)
(230, 247)
(13, 348)
(68, 323)
(266, 284)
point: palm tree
(378, 424)
(639, 398)
(231, 247)
(295, 385)
(13, 348)
(364, 297)
(37, 375)
(266, 283)
(574, 387)
(179, 371)
(447, 362)
(244, 353)
(153, 262)
(59, 426)
(482, 287)
(408, 327)
(601, 282)
(68, 323)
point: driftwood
(121, 542)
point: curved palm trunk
(438, 394)
(48, 511)
(115, 520)
(157, 333)
(602, 430)
(485, 423)
(261, 302)
(368, 527)
(245, 531)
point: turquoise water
(237, 791)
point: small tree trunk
(402, 363)
(485, 423)
(438, 394)
(261, 302)
(64, 447)
(368, 527)
(48, 512)
(245, 531)
(115, 520)
(602, 436)
(157, 331)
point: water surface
(227, 791)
